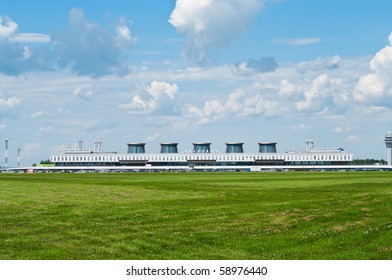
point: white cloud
(14, 57)
(373, 110)
(212, 110)
(323, 94)
(251, 105)
(158, 98)
(338, 129)
(383, 59)
(302, 126)
(30, 38)
(210, 25)
(124, 32)
(7, 26)
(83, 94)
(297, 42)
(45, 129)
(351, 139)
(37, 114)
(239, 103)
(85, 47)
(9, 102)
(368, 88)
(312, 93)
(153, 137)
(88, 49)
(253, 66)
(286, 88)
(320, 64)
(377, 85)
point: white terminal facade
(201, 157)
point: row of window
(84, 159)
(318, 157)
(182, 158)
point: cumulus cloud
(377, 85)
(83, 94)
(383, 59)
(323, 94)
(369, 87)
(124, 34)
(238, 103)
(261, 65)
(85, 48)
(88, 49)
(251, 105)
(210, 25)
(7, 26)
(211, 111)
(15, 56)
(320, 64)
(286, 88)
(9, 102)
(158, 97)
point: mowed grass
(309, 215)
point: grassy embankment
(346, 215)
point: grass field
(310, 215)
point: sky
(195, 71)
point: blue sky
(185, 71)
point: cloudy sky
(195, 70)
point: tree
(368, 162)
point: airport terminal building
(201, 157)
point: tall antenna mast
(18, 157)
(6, 152)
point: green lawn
(309, 215)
